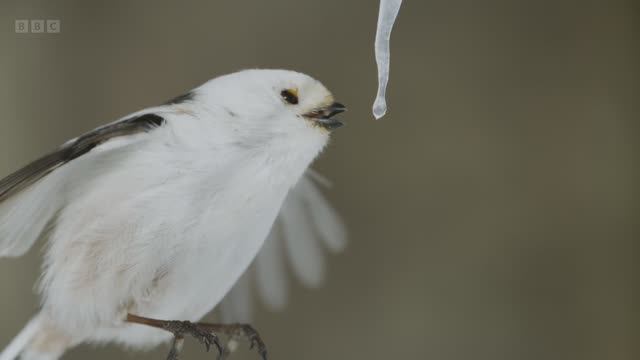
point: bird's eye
(290, 95)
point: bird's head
(273, 105)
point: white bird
(153, 218)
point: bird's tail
(38, 340)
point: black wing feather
(38, 169)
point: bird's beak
(324, 117)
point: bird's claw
(200, 333)
(255, 341)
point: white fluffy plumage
(160, 213)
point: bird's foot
(240, 331)
(198, 331)
(201, 332)
(206, 334)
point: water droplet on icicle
(386, 17)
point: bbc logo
(37, 26)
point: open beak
(324, 117)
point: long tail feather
(38, 340)
(20, 342)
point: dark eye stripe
(289, 97)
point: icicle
(387, 16)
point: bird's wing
(31, 196)
(305, 226)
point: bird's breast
(221, 229)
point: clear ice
(386, 17)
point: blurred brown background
(491, 213)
